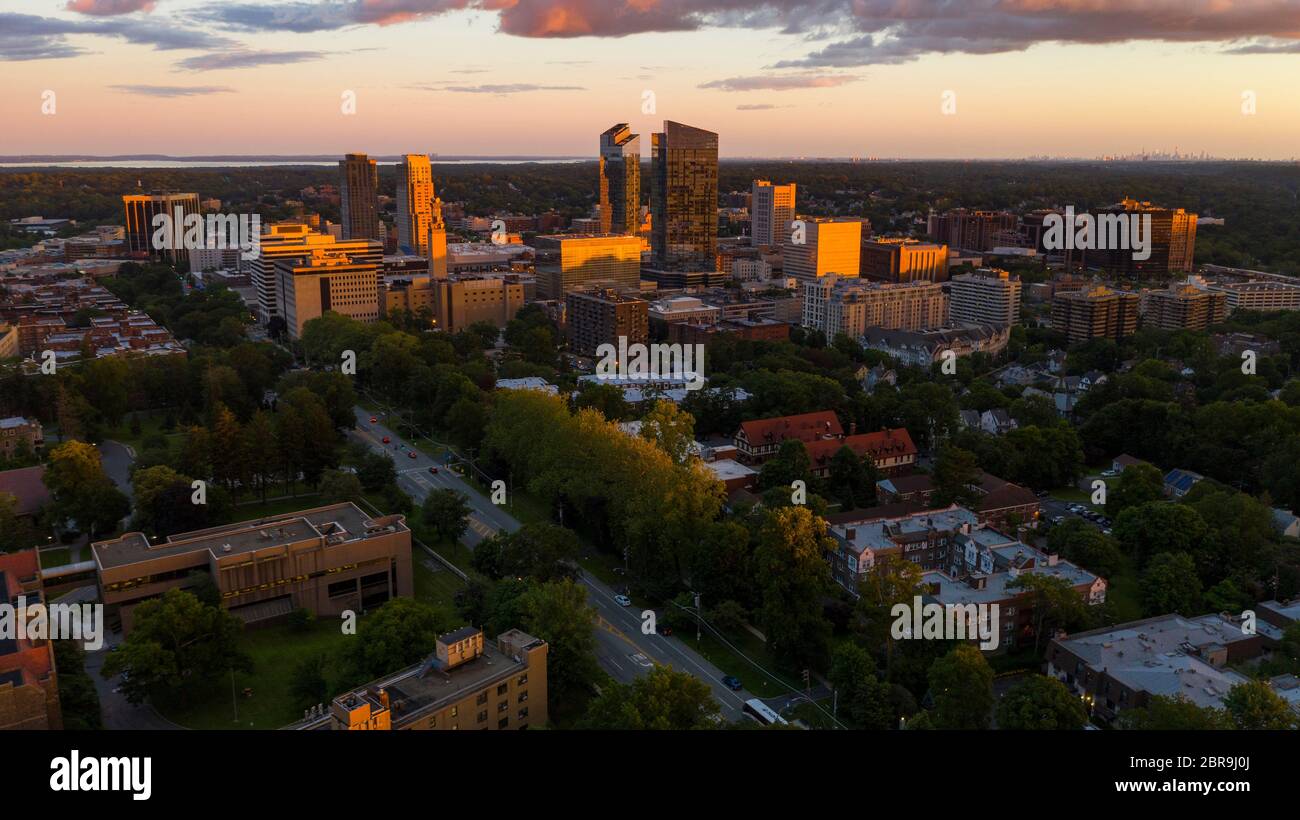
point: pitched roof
(884, 444)
(27, 486)
(805, 427)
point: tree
(260, 451)
(863, 698)
(791, 570)
(177, 647)
(541, 551)
(672, 430)
(401, 632)
(663, 699)
(1040, 702)
(81, 490)
(1170, 584)
(1254, 705)
(1085, 545)
(1055, 603)
(955, 470)
(337, 486)
(376, 471)
(1159, 526)
(1173, 713)
(15, 531)
(308, 683)
(446, 514)
(790, 464)
(853, 479)
(961, 684)
(607, 398)
(558, 613)
(1138, 484)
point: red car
(387, 439)
(373, 419)
(433, 470)
(411, 454)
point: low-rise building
(17, 432)
(29, 689)
(923, 348)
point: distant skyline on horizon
(921, 80)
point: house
(16, 431)
(1123, 461)
(892, 451)
(1002, 505)
(997, 421)
(863, 537)
(1286, 522)
(27, 485)
(871, 378)
(1179, 483)
(759, 440)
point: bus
(759, 712)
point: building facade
(1095, 313)
(771, 209)
(597, 317)
(834, 305)
(138, 228)
(1183, 307)
(684, 198)
(620, 181)
(986, 296)
(414, 204)
(826, 246)
(904, 260)
(359, 192)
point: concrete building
(1182, 307)
(327, 560)
(620, 181)
(1261, 295)
(465, 684)
(850, 306)
(970, 230)
(828, 246)
(464, 300)
(323, 281)
(1173, 242)
(771, 209)
(1095, 313)
(987, 296)
(676, 309)
(597, 317)
(923, 348)
(29, 685)
(414, 204)
(904, 260)
(684, 198)
(138, 228)
(359, 189)
(296, 243)
(568, 262)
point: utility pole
(699, 617)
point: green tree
(955, 471)
(1040, 702)
(337, 486)
(790, 464)
(672, 430)
(1254, 705)
(558, 613)
(1137, 485)
(863, 698)
(15, 531)
(662, 699)
(1170, 584)
(1172, 713)
(853, 479)
(398, 634)
(308, 683)
(793, 577)
(446, 514)
(1055, 603)
(961, 684)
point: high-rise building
(828, 246)
(889, 259)
(360, 197)
(292, 240)
(1183, 306)
(836, 305)
(986, 296)
(1172, 238)
(140, 210)
(771, 208)
(567, 262)
(684, 198)
(620, 180)
(414, 204)
(598, 317)
(325, 280)
(1095, 313)
(967, 230)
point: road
(622, 649)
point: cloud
(788, 82)
(172, 90)
(1269, 46)
(305, 18)
(759, 107)
(109, 8)
(30, 37)
(509, 88)
(220, 60)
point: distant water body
(255, 163)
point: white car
(622, 600)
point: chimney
(853, 428)
(851, 533)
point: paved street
(623, 651)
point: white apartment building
(987, 296)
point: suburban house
(1179, 483)
(892, 451)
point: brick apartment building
(823, 436)
(29, 691)
(17, 430)
(327, 560)
(598, 317)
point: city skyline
(788, 79)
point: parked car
(374, 419)
(387, 440)
(622, 600)
(733, 683)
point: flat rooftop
(414, 690)
(339, 523)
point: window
(523, 713)
(339, 588)
(503, 688)
(482, 698)
(523, 696)
(482, 716)
(455, 711)
(522, 680)
(503, 722)
(502, 706)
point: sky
(794, 78)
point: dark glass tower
(684, 198)
(620, 180)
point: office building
(359, 192)
(826, 246)
(326, 280)
(414, 204)
(294, 240)
(684, 198)
(1254, 294)
(1183, 306)
(465, 684)
(898, 259)
(771, 210)
(598, 317)
(969, 230)
(850, 306)
(988, 296)
(566, 262)
(327, 560)
(1095, 313)
(1172, 242)
(620, 181)
(138, 227)
(470, 298)
(29, 686)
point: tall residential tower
(620, 180)
(771, 207)
(684, 198)
(414, 204)
(360, 197)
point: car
(433, 470)
(1042, 493)
(1058, 519)
(1109, 473)
(411, 454)
(622, 600)
(374, 419)
(387, 440)
(1105, 532)
(733, 683)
